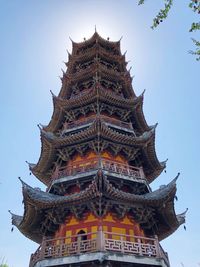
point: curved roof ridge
(133, 103)
(36, 195)
(16, 219)
(95, 36)
(104, 130)
(162, 193)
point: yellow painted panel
(94, 230)
(77, 158)
(131, 233)
(106, 154)
(91, 155)
(105, 229)
(126, 220)
(68, 234)
(109, 218)
(119, 231)
(72, 221)
(120, 158)
(90, 218)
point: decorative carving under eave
(99, 207)
(145, 216)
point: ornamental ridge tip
(39, 126)
(20, 179)
(71, 39)
(10, 212)
(23, 183)
(175, 179)
(52, 93)
(163, 163)
(31, 165)
(155, 125)
(184, 213)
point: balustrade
(96, 163)
(98, 241)
(91, 119)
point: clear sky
(34, 38)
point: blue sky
(34, 39)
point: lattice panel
(130, 247)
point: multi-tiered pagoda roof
(98, 153)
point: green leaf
(163, 13)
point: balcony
(100, 241)
(110, 167)
(89, 120)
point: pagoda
(97, 160)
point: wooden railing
(98, 241)
(91, 119)
(99, 163)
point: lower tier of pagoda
(100, 246)
(45, 212)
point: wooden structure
(97, 160)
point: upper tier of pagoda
(97, 58)
(95, 87)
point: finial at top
(95, 28)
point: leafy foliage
(141, 2)
(197, 52)
(2, 263)
(195, 5)
(195, 26)
(163, 14)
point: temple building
(97, 161)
